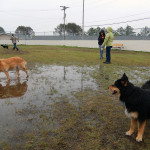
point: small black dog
(4, 46)
(136, 101)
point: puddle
(136, 75)
(23, 102)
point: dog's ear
(124, 77)
(124, 80)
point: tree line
(72, 29)
(22, 30)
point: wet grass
(62, 55)
(96, 121)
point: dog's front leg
(6, 73)
(132, 126)
(25, 72)
(17, 70)
(141, 127)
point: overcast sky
(45, 15)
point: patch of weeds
(52, 91)
(5, 145)
(8, 102)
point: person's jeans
(101, 51)
(15, 46)
(108, 55)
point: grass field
(63, 55)
(85, 118)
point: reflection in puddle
(60, 80)
(11, 91)
(26, 100)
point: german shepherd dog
(136, 101)
(13, 63)
(4, 46)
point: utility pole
(64, 8)
(83, 22)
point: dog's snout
(110, 86)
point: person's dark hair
(12, 34)
(102, 31)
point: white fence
(133, 45)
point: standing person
(100, 42)
(109, 43)
(14, 41)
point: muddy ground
(65, 103)
(67, 107)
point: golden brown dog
(12, 91)
(13, 63)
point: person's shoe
(106, 62)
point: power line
(120, 17)
(120, 22)
(34, 17)
(27, 10)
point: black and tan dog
(136, 101)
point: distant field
(63, 55)
(65, 104)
